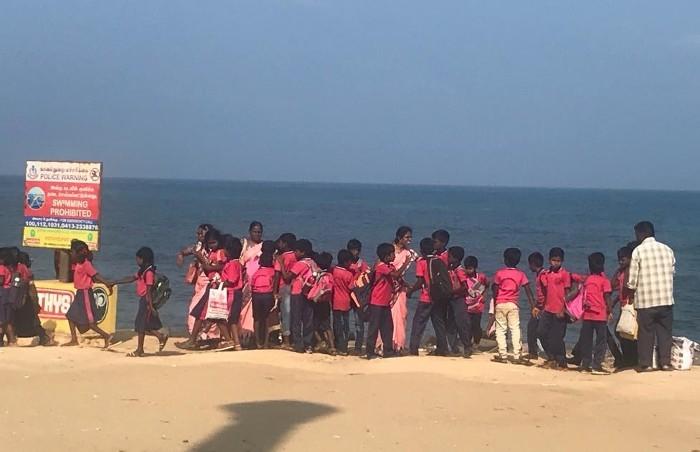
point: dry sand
(84, 399)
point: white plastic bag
(682, 353)
(217, 304)
(627, 326)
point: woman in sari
(399, 310)
(196, 277)
(252, 249)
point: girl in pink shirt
(8, 267)
(262, 288)
(232, 275)
(147, 319)
(211, 265)
(81, 314)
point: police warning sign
(62, 203)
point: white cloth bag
(627, 327)
(217, 304)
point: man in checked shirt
(651, 283)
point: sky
(541, 93)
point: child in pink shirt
(556, 285)
(597, 308)
(358, 266)
(343, 283)
(476, 283)
(262, 288)
(507, 284)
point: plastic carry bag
(217, 304)
(627, 327)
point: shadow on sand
(260, 426)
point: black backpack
(440, 281)
(160, 291)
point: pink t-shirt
(262, 280)
(623, 292)
(359, 267)
(216, 257)
(594, 305)
(474, 304)
(82, 275)
(144, 281)
(509, 281)
(539, 288)
(301, 269)
(423, 272)
(382, 290)
(445, 257)
(556, 284)
(343, 282)
(232, 274)
(288, 259)
(5, 276)
(24, 272)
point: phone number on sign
(55, 225)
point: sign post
(62, 202)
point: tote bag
(217, 304)
(627, 326)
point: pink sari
(249, 259)
(399, 311)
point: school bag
(575, 307)
(309, 276)
(160, 291)
(440, 280)
(322, 288)
(16, 293)
(361, 292)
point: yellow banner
(56, 297)
(58, 238)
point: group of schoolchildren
(319, 297)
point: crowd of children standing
(299, 297)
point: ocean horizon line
(380, 184)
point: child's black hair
(511, 257)
(344, 258)
(426, 246)
(536, 259)
(233, 246)
(596, 263)
(324, 260)
(457, 252)
(442, 236)
(625, 251)
(471, 262)
(268, 247)
(266, 260)
(212, 235)
(254, 224)
(205, 227)
(354, 244)
(81, 250)
(400, 232)
(288, 239)
(23, 258)
(384, 250)
(147, 258)
(556, 252)
(304, 246)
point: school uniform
(595, 321)
(507, 312)
(146, 320)
(380, 321)
(7, 310)
(302, 310)
(357, 268)
(628, 347)
(261, 285)
(474, 304)
(285, 294)
(424, 308)
(534, 322)
(343, 282)
(459, 313)
(199, 311)
(551, 326)
(232, 274)
(82, 310)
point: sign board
(62, 203)
(56, 297)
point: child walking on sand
(147, 320)
(425, 306)
(81, 314)
(507, 284)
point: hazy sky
(557, 93)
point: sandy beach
(88, 399)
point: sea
(164, 214)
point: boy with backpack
(507, 284)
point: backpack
(16, 293)
(322, 288)
(160, 291)
(309, 277)
(440, 280)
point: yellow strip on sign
(58, 238)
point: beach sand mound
(82, 398)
